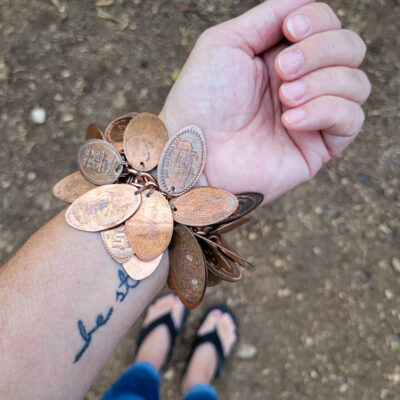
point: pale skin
(270, 124)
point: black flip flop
(165, 319)
(213, 338)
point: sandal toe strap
(214, 339)
(166, 320)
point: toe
(227, 332)
(210, 322)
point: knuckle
(365, 85)
(208, 35)
(327, 10)
(355, 41)
(357, 121)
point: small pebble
(343, 388)
(65, 73)
(396, 264)
(252, 236)
(3, 70)
(169, 374)
(314, 374)
(38, 115)
(31, 176)
(389, 294)
(246, 351)
(382, 264)
(284, 292)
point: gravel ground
(319, 316)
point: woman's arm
(65, 304)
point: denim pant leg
(139, 382)
(201, 391)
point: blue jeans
(141, 382)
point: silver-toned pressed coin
(99, 162)
(182, 161)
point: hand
(273, 113)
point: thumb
(261, 27)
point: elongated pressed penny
(217, 242)
(103, 208)
(99, 162)
(229, 226)
(144, 139)
(212, 279)
(248, 202)
(203, 206)
(138, 269)
(230, 253)
(114, 132)
(188, 272)
(222, 267)
(71, 187)
(182, 161)
(149, 230)
(94, 132)
(117, 244)
(210, 258)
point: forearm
(59, 277)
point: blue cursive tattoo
(126, 283)
(87, 335)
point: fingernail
(299, 25)
(294, 90)
(295, 116)
(291, 61)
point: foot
(154, 348)
(203, 364)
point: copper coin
(94, 132)
(223, 246)
(187, 267)
(248, 202)
(149, 230)
(103, 207)
(117, 244)
(204, 206)
(222, 267)
(99, 162)
(229, 226)
(138, 269)
(210, 258)
(115, 130)
(182, 161)
(212, 280)
(227, 250)
(144, 140)
(72, 187)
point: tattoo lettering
(126, 283)
(87, 335)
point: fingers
(261, 27)
(333, 48)
(349, 83)
(333, 115)
(308, 20)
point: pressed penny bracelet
(139, 217)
